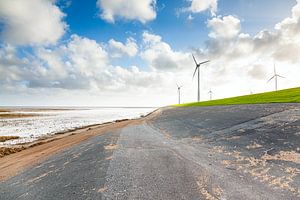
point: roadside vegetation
(282, 96)
(5, 138)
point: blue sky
(181, 33)
(82, 18)
(134, 51)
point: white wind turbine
(178, 89)
(276, 78)
(210, 94)
(198, 68)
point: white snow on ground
(54, 121)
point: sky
(134, 52)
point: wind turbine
(276, 78)
(210, 94)
(178, 89)
(198, 68)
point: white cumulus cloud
(160, 55)
(118, 49)
(31, 22)
(141, 10)
(226, 27)
(198, 6)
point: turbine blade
(194, 59)
(281, 76)
(204, 62)
(271, 78)
(177, 85)
(274, 69)
(195, 72)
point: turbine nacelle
(275, 76)
(179, 87)
(198, 68)
(198, 64)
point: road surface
(222, 152)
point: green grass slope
(282, 96)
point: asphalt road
(223, 152)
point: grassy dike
(282, 96)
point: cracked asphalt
(220, 152)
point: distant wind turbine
(210, 94)
(198, 68)
(276, 78)
(178, 89)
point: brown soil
(4, 110)
(36, 152)
(16, 115)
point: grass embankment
(282, 96)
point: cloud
(198, 6)
(141, 10)
(224, 28)
(240, 58)
(74, 65)
(290, 27)
(239, 63)
(160, 55)
(33, 22)
(118, 49)
(80, 64)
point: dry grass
(5, 138)
(4, 151)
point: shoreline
(27, 141)
(16, 160)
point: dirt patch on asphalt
(101, 190)
(108, 158)
(291, 156)
(111, 147)
(234, 138)
(260, 169)
(209, 192)
(254, 145)
(197, 138)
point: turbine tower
(210, 94)
(198, 68)
(276, 78)
(178, 89)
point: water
(49, 122)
